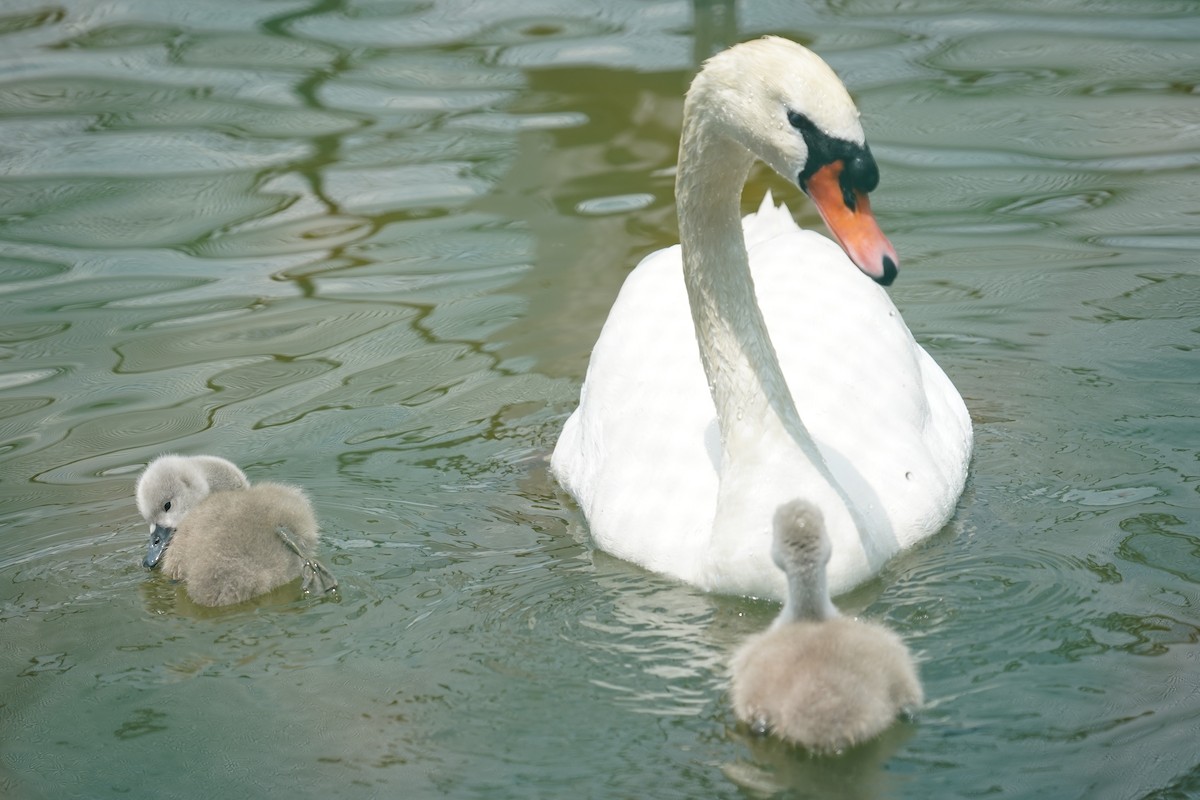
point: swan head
(788, 108)
(173, 485)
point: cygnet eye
(167, 506)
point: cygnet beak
(160, 537)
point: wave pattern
(367, 246)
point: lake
(366, 247)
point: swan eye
(798, 120)
(167, 506)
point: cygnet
(226, 540)
(815, 678)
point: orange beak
(854, 227)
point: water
(366, 247)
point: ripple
(404, 24)
(525, 29)
(48, 664)
(307, 235)
(1057, 204)
(439, 70)
(650, 50)
(618, 204)
(1142, 129)
(177, 153)
(83, 95)
(18, 270)
(262, 377)
(136, 425)
(128, 212)
(429, 186)
(430, 287)
(439, 248)
(21, 21)
(1077, 60)
(520, 122)
(15, 333)
(12, 407)
(1153, 540)
(347, 96)
(1171, 296)
(95, 293)
(413, 271)
(1110, 497)
(252, 50)
(1157, 241)
(651, 640)
(240, 118)
(198, 314)
(1148, 635)
(11, 380)
(283, 330)
(371, 149)
(1039, 581)
(121, 36)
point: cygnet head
(800, 545)
(173, 485)
(787, 107)
(802, 549)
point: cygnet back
(229, 549)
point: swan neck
(766, 451)
(743, 371)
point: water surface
(366, 248)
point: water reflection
(774, 768)
(368, 246)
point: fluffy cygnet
(226, 540)
(816, 678)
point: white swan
(816, 678)
(226, 540)
(885, 438)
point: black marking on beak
(890, 271)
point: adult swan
(806, 383)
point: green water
(366, 247)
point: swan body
(815, 678)
(226, 540)
(757, 360)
